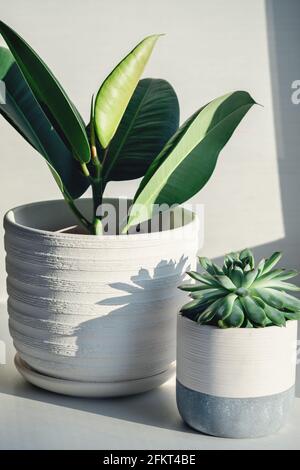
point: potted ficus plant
(237, 347)
(92, 292)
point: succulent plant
(240, 295)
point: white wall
(211, 47)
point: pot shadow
(154, 408)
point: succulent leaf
(237, 276)
(249, 278)
(279, 299)
(235, 319)
(224, 308)
(209, 266)
(208, 314)
(276, 284)
(276, 316)
(270, 262)
(292, 315)
(190, 306)
(247, 257)
(260, 266)
(205, 278)
(287, 274)
(193, 287)
(242, 296)
(226, 282)
(254, 312)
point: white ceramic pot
(93, 315)
(237, 382)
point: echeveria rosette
(240, 294)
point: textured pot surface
(235, 382)
(93, 308)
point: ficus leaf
(24, 113)
(49, 94)
(188, 160)
(116, 90)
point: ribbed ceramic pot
(94, 309)
(237, 382)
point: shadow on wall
(283, 37)
(283, 34)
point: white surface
(211, 47)
(236, 362)
(35, 419)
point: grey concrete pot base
(91, 389)
(234, 417)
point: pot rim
(192, 225)
(234, 330)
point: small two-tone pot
(236, 382)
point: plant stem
(105, 155)
(85, 169)
(83, 221)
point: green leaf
(193, 305)
(247, 257)
(150, 119)
(268, 275)
(115, 92)
(278, 299)
(260, 267)
(286, 274)
(225, 282)
(193, 287)
(209, 266)
(249, 278)
(237, 276)
(205, 278)
(188, 160)
(23, 112)
(207, 296)
(236, 318)
(49, 93)
(275, 315)
(224, 308)
(254, 312)
(292, 315)
(209, 313)
(277, 284)
(270, 262)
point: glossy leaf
(194, 287)
(209, 313)
(279, 300)
(116, 90)
(235, 319)
(23, 112)
(188, 160)
(275, 315)
(254, 312)
(224, 309)
(49, 93)
(271, 262)
(151, 118)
